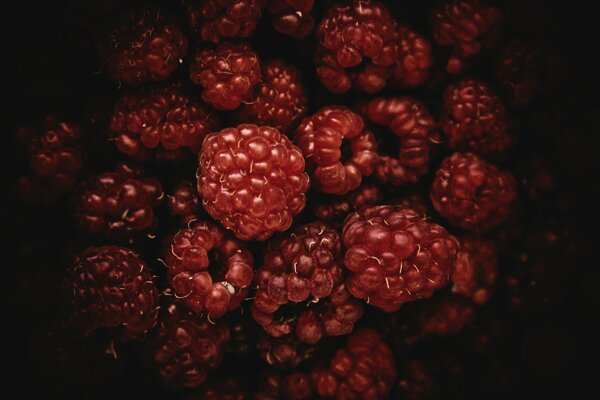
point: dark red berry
(292, 17)
(414, 62)
(334, 209)
(274, 386)
(443, 316)
(474, 275)
(284, 352)
(184, 202)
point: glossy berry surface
(292, 17)
(415, 60)
(184, 201)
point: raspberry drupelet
(395, 256)
(209, 270)
(334, 209)
(119, 205)
(467, 26)
(415, 130)
(338, 149)
(292, 17)
(443, 316)
(183, 347)
(414, 61)
(363, 369)
(252, 180)
(284, 352)
(277, 386)
(281, 99)
(357, 46)
(303, 267)
(54, 158)
(110, 287)
(474, 275)
(472, 194)
(184, 202)
(227, 74)
(143, 45)
(162, 123)
(474, 119)
(214, 20)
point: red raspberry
(471, 193)
(415, 60)
(184, 347)
(292, 17)
(296, 386)
(338, 149)
(443, 316)
(281, 99)
(143, 45)
(417, 383)
(284, 352)
(333, 209)
(224, 389)
(110, 287)
(395, 256)
(184, 202)
(474, 119)
(363, 369)
(467, 26)
(214, 20)
(209, 270)
(518, 69)
(474, 274)
(54, 157)
(162, 122)
(415, 130)
(252, 180)
(119, 204)
(304, 266)
(358, 45)
(227, 75)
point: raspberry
(303, 266)
(415, 61)
(119, 204)
(224, 389)
(474, 119)
(292, 17)
(333, 209)
(518, 69)
(471, 193)
(162, 122)
(467, 26)
(338, 149)
(395, 256)
(358, 45)
(54, 158)
(208, 269)
(443, 316)
(416, 382)
(252, 180)
(415, 130)
(214, 20)
(284, 352)
(143, 45)
(184, 202)
(184, 347)
(227, 75)
(281, 99)
(363, 369)
(110, 287)
(474, 275)
(296, 386)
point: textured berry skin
(471, 193)
(518, 69)
(363, 369)
(283, 352)
(395, 256)
(334, 209)
(297, 269)
(416, 383)
(475, 272)
(443, 316)
(356, 34)
(415, 129)
(209, 270)
(474, 119)
(467, 26)
(214, 20)
(162, 122)
(184, 347)
(227, 74)
(110, 287)
(324, 137)
(281, 100)
(295, 386)
(119, 204)
(414, 62)
(252, 180)
(292, 17)
(142, 45)
(54, 159)
(184, 202)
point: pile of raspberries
(312, 221)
